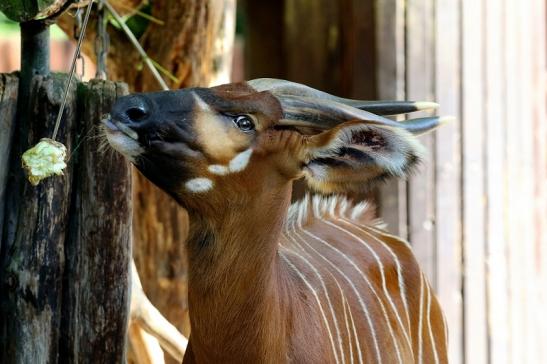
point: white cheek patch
(240, 161)
(199, 185)
(237, 164)
(218, 169)
(125, 145)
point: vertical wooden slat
(472, 86)
(391, 75)
(264, 48)
(539, 82)
(448, 209)
(359, 53)
(526, 178)
(513, 219)
(419, 86)
(313, 56)
(495, 120)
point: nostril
(136, 113)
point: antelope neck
(237, 291)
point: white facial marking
(237, 164)
(240, 161)
(201, 104)
(218, 169)
(199, 185)
(125, 145)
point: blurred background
(475, 211)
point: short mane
(321, 207)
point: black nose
(132, 109)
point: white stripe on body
(316, 296)
(420, 324)
(370, 285)
(431, 338)
(331, 308)
(382, 272)
(350, 282)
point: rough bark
(98, 249)
(64, 263)
(36, 221)
(183, 44)
(8, 106)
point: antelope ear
(355, 155)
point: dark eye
(244, 122)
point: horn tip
(426, 105)
(446, 120)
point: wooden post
(66, 243)
(98, 250)
(35, 224)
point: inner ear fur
(356, 155)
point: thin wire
(137, 45)
(72, 69)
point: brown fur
(268, 288)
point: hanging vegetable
(49, 157)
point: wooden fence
(476, 211)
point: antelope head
(205, 146)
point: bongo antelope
(315, 282)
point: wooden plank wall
(476, 210)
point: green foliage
(138, 21)
(7, 26)
(10, 28)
